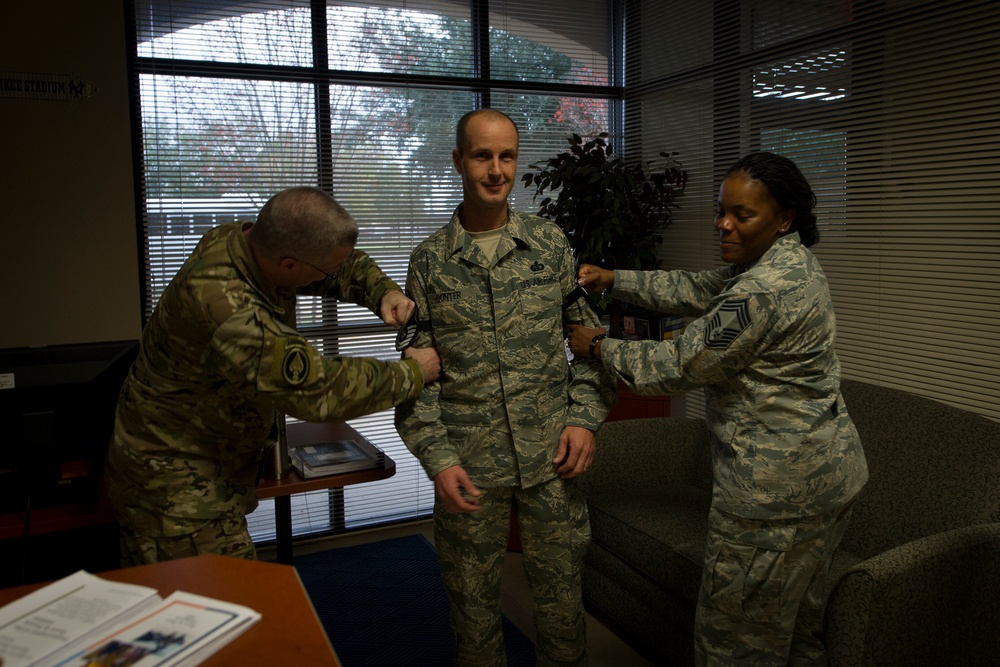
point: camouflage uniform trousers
(761, 598)
(555, 533)
(227, 537)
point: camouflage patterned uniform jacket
(218, 357)
(507, 391)
(763, 347)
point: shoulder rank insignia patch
(295, 365)
(727, 323)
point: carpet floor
(383, 605)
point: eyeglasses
(330, 278)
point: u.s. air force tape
(727, 323)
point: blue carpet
(383, 605)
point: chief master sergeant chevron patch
(728, 322)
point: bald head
(461, 136)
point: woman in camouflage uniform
(787, 458)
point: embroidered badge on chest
(295, 365)
(727, 323)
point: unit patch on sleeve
(732, 318)
(295, 365)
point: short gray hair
(303, 222)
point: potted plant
(613, 212)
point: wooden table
(289, 632)
(305, 433)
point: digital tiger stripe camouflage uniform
(787, 459)
(507, 392)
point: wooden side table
(304, 433)
(100, 513)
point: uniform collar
(244, 263)
(515, 234)
(782, 244)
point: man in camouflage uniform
(220, 358)
(787, 458)
(511, 424)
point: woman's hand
(579, 339)
(594, 278)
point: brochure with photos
(85, 621)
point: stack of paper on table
(83, 620)
(336, 456)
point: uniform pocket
(459, 314)
(746, 569)
(551, 420)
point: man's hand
(594, 278)
(576, 451)
(455, 489)
(429, 360)
(579, 339)
(396, 308)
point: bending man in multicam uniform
(787, 458)
(220, 358)
(511, 423)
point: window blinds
(890, 109)
(237, 100)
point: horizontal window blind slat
(904, 162)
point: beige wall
(68, 259)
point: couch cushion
(652, 618)
(932, 467)
(661, 533)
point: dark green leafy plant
(613, 212)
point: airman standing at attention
(512, 423)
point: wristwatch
(594, 341)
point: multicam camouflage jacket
(507, 389)
(763, 348)
(218, 358)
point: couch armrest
(932, 601)
(634, 453)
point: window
(889, 107)
(236, 101)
